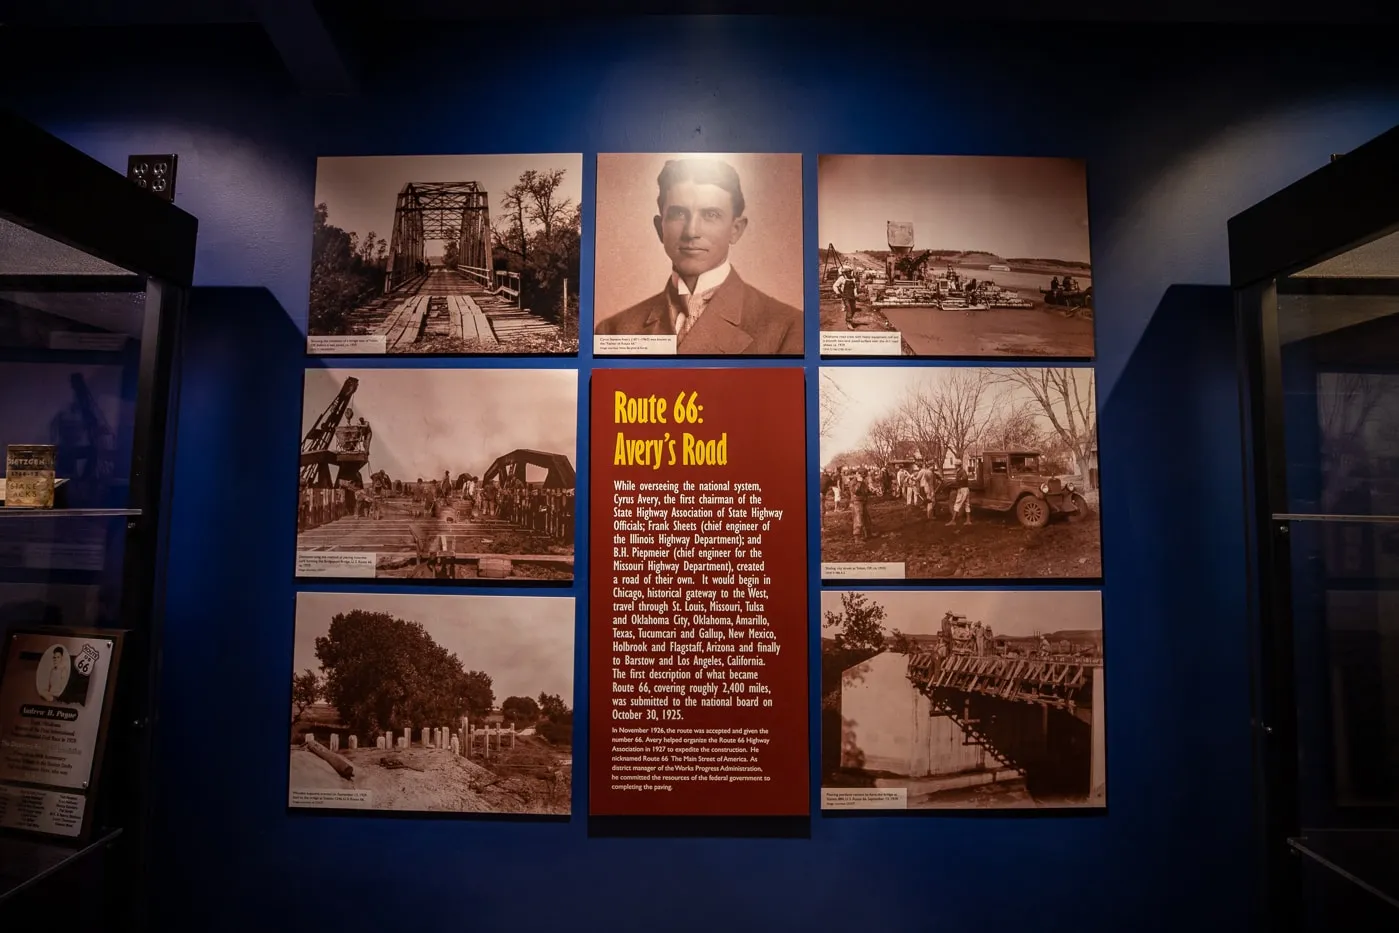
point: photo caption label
(861, 343)
(366, 344)
(358, 565)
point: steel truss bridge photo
(429, 307)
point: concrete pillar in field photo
(456, 746)
(427, 738)
(335, 741)
(407, 736)
(512, 735)
(379, 741)
(354, 742)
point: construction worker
(859, 505)
(928, 481)
(846, 289)
(962, 483)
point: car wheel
(1080, 511)
(1032, 512)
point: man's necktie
(694, 307)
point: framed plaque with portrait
(56, 690)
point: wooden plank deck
(476, 314)
(395, 317)
(412, 325)
(479, 323)
(455, 318)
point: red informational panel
(698, 622)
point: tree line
(383, 673)
(346, 272)
(541, 238)
(966, 410)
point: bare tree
(885, 435)
(919, 413)
(518, 200)
(1065, 398)
(833, 401)
(1015, 427)
(964, 410)
(947, 414)
(544, 207)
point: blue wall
(1181, 130)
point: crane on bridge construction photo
(437, 474)
(446, 254)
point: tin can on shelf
(29, 476)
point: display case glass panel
(1317, 272)
(71, 334)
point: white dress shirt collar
(707, 280)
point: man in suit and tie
(705, 304)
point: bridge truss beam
(455, 211)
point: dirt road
(998, 332)
(446, 781)
(994, 546)
(1030, 332)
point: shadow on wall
(1178, 597)
(231, 529)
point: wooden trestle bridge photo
(966, 720)
(1032, 715)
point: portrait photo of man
(709, 264)
(51, 676)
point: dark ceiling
(210, 12)
(323, 44)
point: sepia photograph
(962, 256)
(441, 474)
(461, 704)
(699, 254)
(959, 472)
(945, 699)
(463, 254)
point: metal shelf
(65, 513)
(1368, 859)
(1319, 517)
(25, 863)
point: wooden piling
(341, 765)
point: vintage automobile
(1015, 480)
